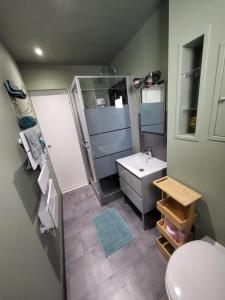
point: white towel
(33, 141)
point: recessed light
(38, 51)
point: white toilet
(196, 271)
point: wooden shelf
(161, 228)
(174, 212)
(165, 247)
(176, 190)
(178, 206)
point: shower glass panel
(103, 110)
(87, 156)
(102, 91)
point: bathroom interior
(112, 150)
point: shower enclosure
(103, 112)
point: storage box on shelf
(177, 208)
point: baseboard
(74, 188)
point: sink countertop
(134, 163)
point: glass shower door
(103, 110)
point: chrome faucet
(149, 153)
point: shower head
(108, 67)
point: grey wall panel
(106, 166)
(158, 144)
(111, 142)
(152, 113)
(104, 119)
(157, 128)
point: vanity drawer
(130, 179)
(134, 197)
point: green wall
(44, 77)
(147, 51)
(31, 264)
(201, 165)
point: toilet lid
(196, 271)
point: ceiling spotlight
(38, 51)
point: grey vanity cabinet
(141, 191)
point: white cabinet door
(217, 126)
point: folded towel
(33, 141)
(27, 122)
(14, 91)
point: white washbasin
(140, 165)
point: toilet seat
(196, 271)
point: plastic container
(172, 232)
(181, 237)
(170, 228)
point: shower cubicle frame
(77, 104)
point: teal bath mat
(113, 231)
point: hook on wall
(151, 79)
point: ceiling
(71, 31)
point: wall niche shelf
(188, 109)
(190, 63)
(177, 207)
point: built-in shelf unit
(190, 66)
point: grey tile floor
(136, 271)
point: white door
(55, 118)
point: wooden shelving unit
(178, 207)
(161, 228)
